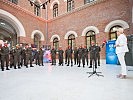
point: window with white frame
(70, 5)
(14, 1)
(55, 10)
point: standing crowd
(79, 55)
(19, 55)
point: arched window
(37, 9)
(70, 5)
(71, 40)
(88, 1)
(90, 36)
(112, 32)
(55, 10)
(56, 43)
(37, 39)
(14, 1)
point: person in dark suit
(53, 56)
(5, 56)
(60, 56)
(93, 51)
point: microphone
(103, 43)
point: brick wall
(98, 14)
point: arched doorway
(8, 33)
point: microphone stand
(94, 69)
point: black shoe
(78, 66)
(31, 66)
(71, 65)
(21, 64)
(7, 69)
(67, 65)
(19, 67)
(26, 66)
(98, 64)
(90, 67)
(2, 70)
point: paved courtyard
(65, 83)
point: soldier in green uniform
(28, 56)
(60, 56)
(80, 53)
(5, 56)
(41, 52)
(53, 56)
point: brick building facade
(64, 23)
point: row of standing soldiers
(80, 54)
(19, 56)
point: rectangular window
(37, 10)
(14, 1)
(89, 1)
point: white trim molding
(116, 22)
(89, 28)
(53, 37)
(14, 22)
(69, 33)
(54, 2)
(37, 32)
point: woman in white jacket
(121, 49)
